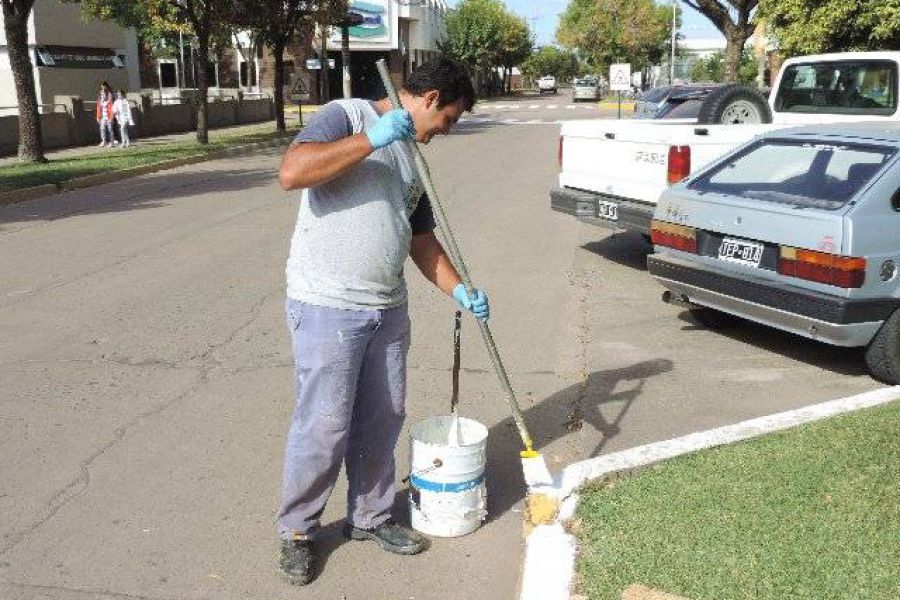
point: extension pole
(456, 257)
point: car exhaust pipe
(678, 300)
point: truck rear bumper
(831, 319)
(594, 208)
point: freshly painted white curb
(549, 563)
(550, 550)
(579, 473)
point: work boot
(391, 536)
(298, 561)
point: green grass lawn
(811, 513)
(18, 176)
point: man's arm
(429, 255)
(327, 150)
(309, 164)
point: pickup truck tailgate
(629, 159)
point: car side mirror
(895, 200)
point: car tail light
(841, 271)
(679, 163)
(559, 151)
(675, 236)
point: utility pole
(182, 82)
(350, 19)
(345, 59)
(672, 58)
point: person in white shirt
(122, 112)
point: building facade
(71, 56)
(405, 33)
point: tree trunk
(278, 52)
(31, 144)
(203, 89)
(734, 49)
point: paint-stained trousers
(350, 383)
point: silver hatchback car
(798, 230)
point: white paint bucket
(447, 496)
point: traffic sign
(620, 77)
(314, 63)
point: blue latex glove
(393, 125)
(476, 302)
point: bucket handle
(435, 465)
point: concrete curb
(550, 550)
(21, 195)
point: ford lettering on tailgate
(656, 158)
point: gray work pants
(350, 383)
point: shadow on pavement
(141, 193)
(627, 249)
(845, 361)
(560, 415)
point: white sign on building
(620, 77)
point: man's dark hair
(448, 77)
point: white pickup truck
(613, 172)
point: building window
(168, 74)
(245, 74)
(212, 74)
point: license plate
(741, 251)
(608, 210)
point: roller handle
(454, 397)
(456, 257)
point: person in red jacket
(104, 115)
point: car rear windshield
(808, 174)
(655, 94)
(844, 87)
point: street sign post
(620, 80)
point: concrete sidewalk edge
(48, 189)
(550, 549)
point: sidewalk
(163, 140)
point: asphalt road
(146, 373)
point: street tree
(15, 25)
(206, 20)
(816, 26)
(516, 42)
(550, 60)
(732, 18)
(474, 35)
(603, 32)
(275, 23)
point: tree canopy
(549, 60)
(816, 26)
(612, 31)
(484, 35)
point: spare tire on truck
(734, 104)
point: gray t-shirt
(353, 233)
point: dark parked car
(658, 102)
